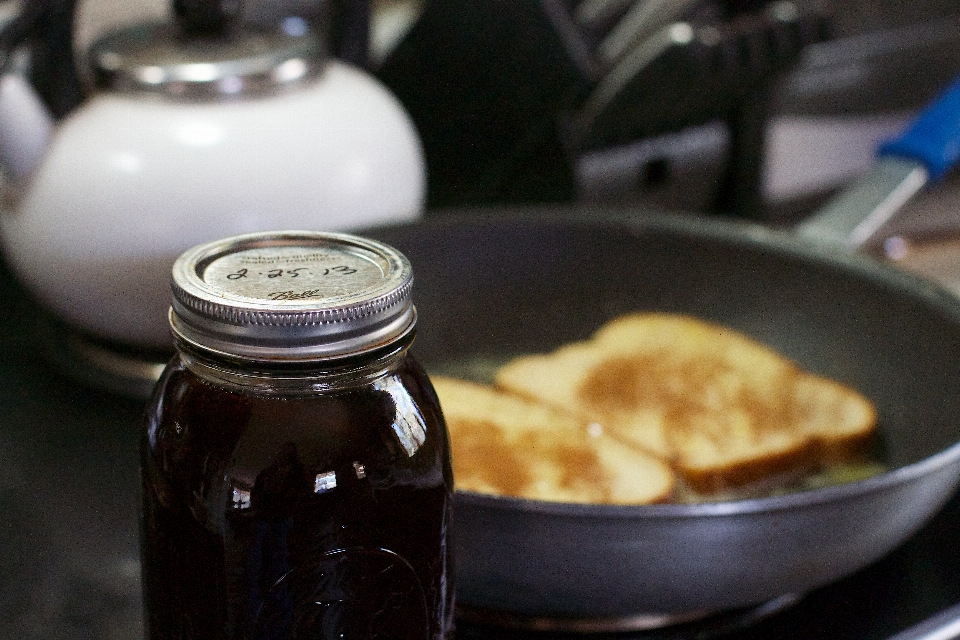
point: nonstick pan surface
(497, 283)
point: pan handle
(933, 138)
(923, 153)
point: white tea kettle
(191, 137)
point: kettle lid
(161, 58)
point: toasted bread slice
(505, 445)
(722, 408)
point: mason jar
(295, 464)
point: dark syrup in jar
(296, 469)
(306, 515)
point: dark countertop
(68, 482)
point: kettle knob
(206, 17)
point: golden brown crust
(506, 445)
(723, 409)
(719, 478)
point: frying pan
(493, 284)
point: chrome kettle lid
(164, 58)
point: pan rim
(736, 231)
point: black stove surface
(69, 561)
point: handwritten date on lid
(290, 274)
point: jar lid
(163, 59)
(292, 296)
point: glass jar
(296, 469)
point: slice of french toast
(506, 445)
(723, 409)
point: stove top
(69, 566)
